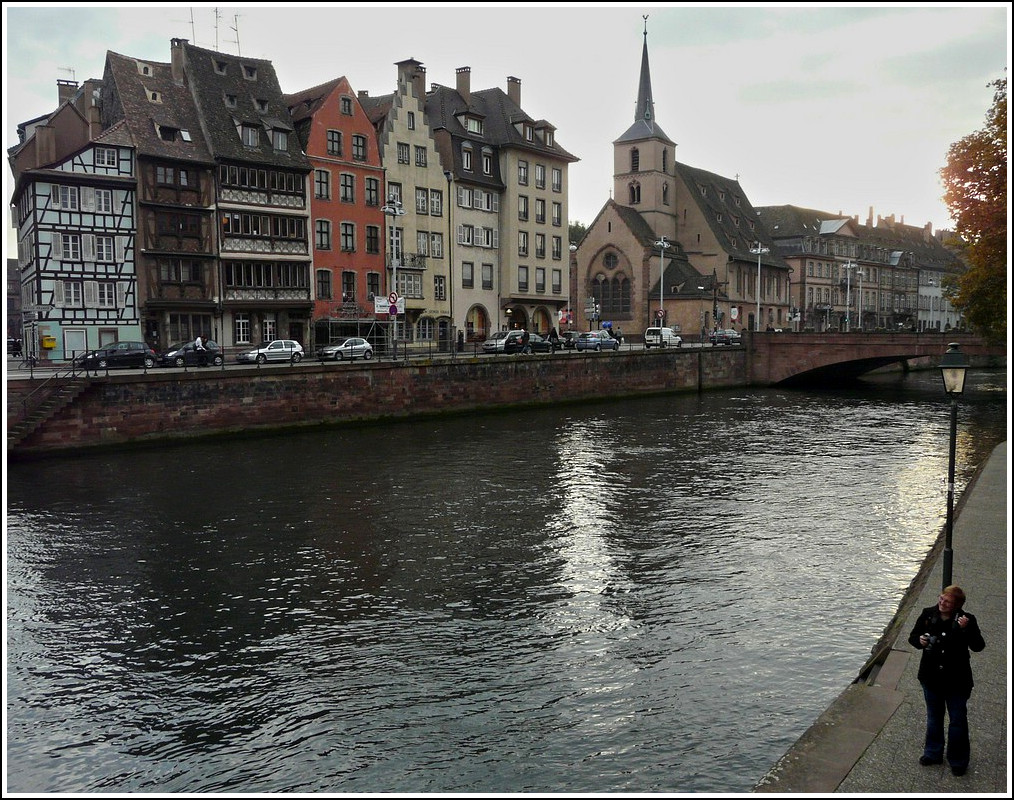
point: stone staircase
(65, 394)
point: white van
(661, 337)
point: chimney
(94, 122)
(419, 82)
(363, 93)
(65, 90)
(177, 61)
(464, 85)
(514, 90)
(45, 145)
(869, 219)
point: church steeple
(644, 126)
(645, 103)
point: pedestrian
(526, 346)
(202, 352)
(554, 340)
(945, 633)
(17, 348)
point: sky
(836, 107)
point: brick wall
(133, 408)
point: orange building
(347, 224)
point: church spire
(645, 104)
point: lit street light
(662, 244)
(393, 209)
(701, 290)
(759, 250)
(953, 367)
(848, 266)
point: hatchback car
(597, 340)
(569, 339)
(119, 354)
(727, 336)
(278, 350)
(186, 355)
(351, 348)
(661, 337)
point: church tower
(644, 161)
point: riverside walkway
(870, 739)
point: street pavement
(870, 739)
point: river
(651, 595)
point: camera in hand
(931, 642)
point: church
(675, 245)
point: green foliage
(576, 232)
(975, 191)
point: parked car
(351, 347)
(185, 354)
(569, 339)
(495, 343)
(278, 350)
(508, 342)
(597, 340)
(119, 354)
(726, 336)
(661, 337)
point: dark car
(727, 336)
(119, 354)
(569, 339)
(186, 355)
(510, 342)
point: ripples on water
(651, 595)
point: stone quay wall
(132, 409)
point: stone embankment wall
(121, 409)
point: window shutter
(57, 241)
(496, 238)
(58, 294)
(91, 294)
(54, 196)
(120, 244)
(87, 198)
(88, 246)
(461, 234)
(121, 294)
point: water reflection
(636, 596)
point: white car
(351, 347)
(278, 350)
(661, 337)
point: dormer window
(250, 72)
(153, 96)
(280, 139)
(230, 101)
(473, 125)
(144, 69)
(262, 105)
(249, 135)
(166, 132)
(549, 138)
(529, 133)
(466, 159)
(221, 67)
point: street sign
(392, 298)
(393, 310)
(660, 313)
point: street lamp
(859, 304)
(701, 290)
(759, 250)
(848, 266)
(450, 260)
(394, 209)
(953, 367)
(662, 244)
(788, 291)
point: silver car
(597, 340)
(278, 350)
(351, 347)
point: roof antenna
(73, 74)
(235, 27)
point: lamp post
(701, 290)
(953, 367)
(662, 244)
(788, 291)
(758, 250)
(859, 304)
(394, 209)
(450, 260)
(848, 266)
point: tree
(975, 191)
(576, 232)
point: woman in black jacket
(945, 634)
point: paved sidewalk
(870, 739)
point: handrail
(70, 373)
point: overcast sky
(835, 107)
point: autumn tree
(975, 191)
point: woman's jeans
(955, 705)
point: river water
(656, 595)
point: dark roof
(500, 115)
(443, 104)
(645, 126)
(127, 101)
(729, 213)
(259, 102)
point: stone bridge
(796, 358)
